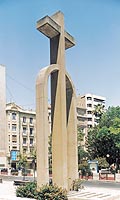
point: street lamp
(108, 158)
(107, 155)
(34, 166)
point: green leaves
(104, 138)
(52, 192)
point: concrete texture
(63, 108)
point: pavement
(8, 192)
(94, 194)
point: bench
(20, 182)
(106, 175)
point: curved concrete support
(72, 153)
(42, 127)
(64, 148)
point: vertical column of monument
(3, 138)
(58, 104)
(72, 156)
(42, 130)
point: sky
(93, 63)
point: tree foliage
(81, 152)
(98, 111)
(104, 138)
(102, 163)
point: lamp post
(107, 155)
(108, 158)
(34, 167)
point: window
(31, 141)
(31, 131)
(89, 112)
(24, 150)
(24, 140)
(89, 119)
(89, 105)
(14, 137)
(14, 127)
(14, 148)
(24, 130)
(24, 119)
(13, 116)
(31, 120)
(89, 98)
(14, 141)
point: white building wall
(93, 100)
(3, 138)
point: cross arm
(50, 28)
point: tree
(102, 163)
(34, 157)
(104, 138)
(22, 162)
(50, 152)
(81, 152)
(99, 110)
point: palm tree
(99, 110)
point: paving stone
(97, 195)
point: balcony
(24, 123)
(24, 134)
(31, 145)
(31, 135)
(31, 125)
(14, 133)
(24, 144)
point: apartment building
(82, 118)
(21, 130)
(90, 102)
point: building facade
(21, 130)
(82, 119)
(90, 102)
(21, 125)
(3, 136)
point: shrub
(29, 190)
(77, 184)
(14, 172)
(52, 192)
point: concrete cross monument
(63, 108)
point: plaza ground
(8, 192)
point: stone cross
(63, 108)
